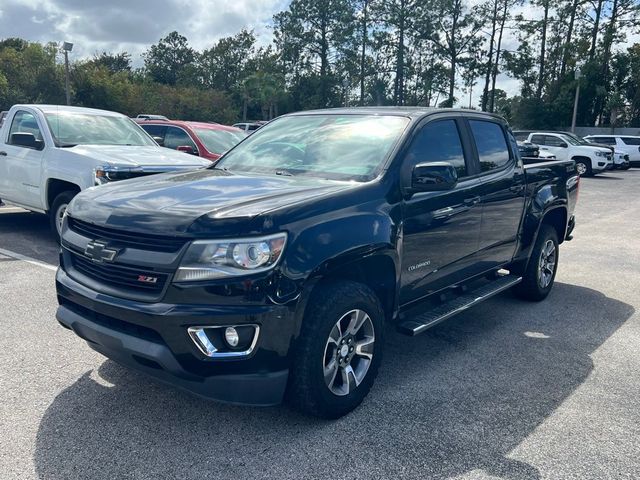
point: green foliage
(165, 62)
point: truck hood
(200, 202)
(147, 157)
(588, 149)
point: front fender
(321, 247)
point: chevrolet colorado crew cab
(49, 153)
(272, 273)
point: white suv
(589, 159)
(628, 144)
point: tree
(224, 65)
(317, 31)
(166, 60)
(455, 39)
(114, 62)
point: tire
(322, 346)
(584, 167)
(58, 207)
(535, 286)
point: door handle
(3, 154)
(470, 202)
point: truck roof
(412, 112)
(65, 108)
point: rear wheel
(338, 353)
(58, 208)
(540, 273)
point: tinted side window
(438, 141)
(155, 130)
(630, 140)
(605, 140)
(554, 141)
(176, 137)
(491, 143)
(538, 139)
(521, 136)
(25, 122)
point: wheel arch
(377, 270)
(55, 187)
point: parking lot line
(24, 258)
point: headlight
(600, 154)
(108, 174)
(211, 259)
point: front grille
(122, 238)
(117, 276)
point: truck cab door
(21, 164)
(503, 188)
(441, 229)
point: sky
(94, 26)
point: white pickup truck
(589, 159)
(49, 153)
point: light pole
(66, 48)
(575, 102)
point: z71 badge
(145, 279)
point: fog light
(231, 336)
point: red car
(207, 140)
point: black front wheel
(58, 208)
(339, 350)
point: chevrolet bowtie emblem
(99, 253)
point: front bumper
(153, 338)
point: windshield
(69, 129)
(338, 147)
(580, 140)
(218, 141)
(571, 140)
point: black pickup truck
(272, 274)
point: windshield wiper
(67, 145)
(284, 173)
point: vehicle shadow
(605, 177)
(454, 400)
(28, 234)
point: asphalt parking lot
(506, 390)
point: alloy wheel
(547, 264)
(348, 352)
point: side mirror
(24, 140)
(186, 149)
(159, 141)
(433, 176)
(564, 145)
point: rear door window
(491, 143)
(155, 130)
(631, 140)
(538, 139)
(605, 140)
(176, 137)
